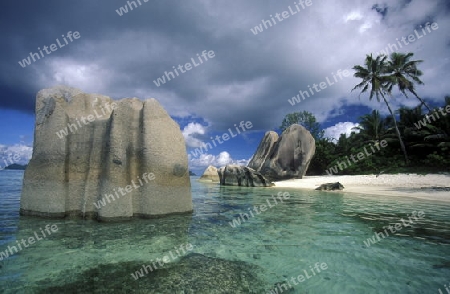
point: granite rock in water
(88, 147)
(330, 187)
(284, 157)
(236, 175)
(210, 175)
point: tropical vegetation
(418, 141)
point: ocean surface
(314, 237)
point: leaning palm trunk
(429, 110)
(422, 101)
(402, 146)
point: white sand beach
(407, 185)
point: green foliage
(374, 127)
(375, 162)
(428, 144)
(429, 147)
(306, 119)
(436, 159)
(325, 154)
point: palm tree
(375, 76)
(374, 128)
(409, 116)
(404, 74)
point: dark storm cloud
(251, 76)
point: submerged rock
(284, 157)
(88, 148)
(330, 187)
(194, 273)
(236, 175)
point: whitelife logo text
(36, 56)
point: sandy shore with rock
(430, 187)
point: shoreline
(396, 185)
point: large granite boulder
(236, 175)
(96, 157)
(210, 175)
(284, 157)
(265, 149)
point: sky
(245, 74)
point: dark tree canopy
(306, 119)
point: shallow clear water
(268, 248)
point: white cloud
(224, 158)
(204, 160)
(191, 132)
(76, 73)
(354, 15)
(340, 128)
(18, 153)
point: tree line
(418, 138)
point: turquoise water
(269, 248)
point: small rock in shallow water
(330, 187)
